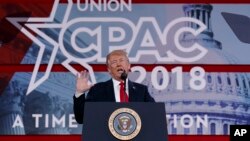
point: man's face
(116, 65)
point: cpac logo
(109, 33)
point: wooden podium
(134, 121)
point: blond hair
(116, 52)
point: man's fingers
(86, 74)
(82, 75)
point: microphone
(124, 76)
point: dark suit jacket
(104, 92)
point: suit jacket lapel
(132, 91)
(110, 91)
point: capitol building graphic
(225, 99)
(223, 102)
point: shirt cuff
(78, 94)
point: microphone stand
(124, 77)
(125, 86)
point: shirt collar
(117, 83)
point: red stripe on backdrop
(102, 67)
(78, 138)
(133, 1)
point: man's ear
(108, 69)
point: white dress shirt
(117, 86)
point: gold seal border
(111, 125)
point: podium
(134, 121)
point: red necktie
(123, 95)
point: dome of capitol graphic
(225, 98)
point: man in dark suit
(112, 90)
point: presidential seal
(124, 124)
